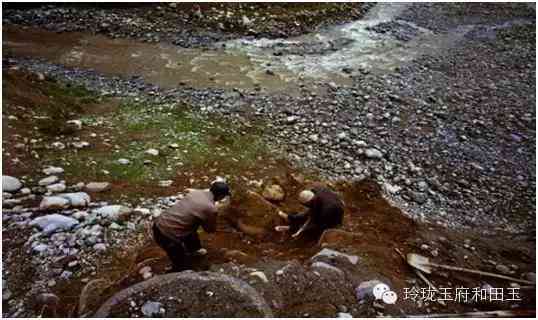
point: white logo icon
(383, 292)
(390, 297)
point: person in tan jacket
(176, 229)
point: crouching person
(176, 229)
(325, 210)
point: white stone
(373, 153)
(55, 202)
(152, 152)
(10, 184)
(99, 247)
(53, 170)
(260, 275)
(48, 180)
(123, 161)
(58, 145)
(165, 183)
(326, 266)
(53, 222)
(57, 187)
(344, 315)
(97, 186)
(40, 248)
(25, 191)
(332, 253)
(80, 144)
(76, 124)
(77, 199)
(173, 145)
(273, 192)
(113, 212)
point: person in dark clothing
(325, 211)
(176, 229)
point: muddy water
(312, 59)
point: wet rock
(97, 186)
(114, 212)
(53, 170)
(10, 184)
(56, 202)
(151, 309)
(333, 253)
(48, 180)
(273, 193)
(54, 222)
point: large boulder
(210, 295)
(10, 184)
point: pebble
(151, 309)
(152, 152)
(273, 193)
(97, 186)
(57, 187)
(123, 161)
(53, 170)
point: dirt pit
(372, 230)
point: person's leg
(174, 250)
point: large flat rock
(189, 294)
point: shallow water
(311, 60)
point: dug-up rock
(97, 186)
(10, 184)
(221, 296)
(114, 212)
(53, 222)
(273, 193)
(337, 238)
(252, 214)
